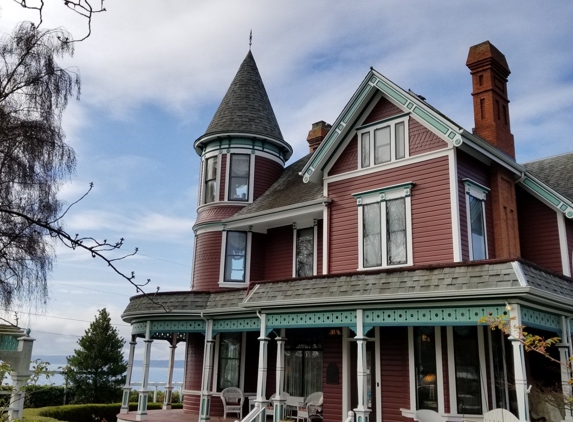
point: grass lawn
(31, 415)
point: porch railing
(156, 385)
(253, 414)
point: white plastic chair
(311, 408)
(499, 415)
(426, 415)
(233, 399)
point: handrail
(350, 417)
(253, 414)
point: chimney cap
(482, 53)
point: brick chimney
(317, 134)
(489, 71)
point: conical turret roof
(246, 107)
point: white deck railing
(155, 385)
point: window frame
(206, 180)
(230, 177)
(372, 129)
(215, 377)
(223, 282)
(478, 192)
(382, 196)
(296, 231)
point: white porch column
(280, 400)
(564, 359)
(519, 363)
(206, 393)
(127, 388)
(169, 387)
(261, 400)
(143, 393)
(362, 412)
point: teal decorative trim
(469, 315)
(452, 135)
(8, 343)
(382, 191)
(237, 324)
(356, 103)
(539, 319)
(138, 328)
(391, 92)
(381, 122)
(409, 106)
(458, 142)
(431, 120)
(168, 336)
(193, 326)
(548, 196)
(312, 319)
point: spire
(246, 107)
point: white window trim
(391, 122)
(479, 192)
(222, 282)
(314, 247)
(562, 228)
(382, 195)
(203, 178)
(251, 176)
(452, 370)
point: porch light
(508, 306)
(335, 332)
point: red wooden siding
(332, 393)
(470, 168)
(569, 229)
(279, 252)
(319, 243)
(538, 232)
(431, 216)
(266, 173)
(223, 166)
(348, 159)
(394, 367)
(382, 110)
(215, 213)
(423, 140)
(193, 371)
(258, 247)
(207, 261)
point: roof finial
(250, 39)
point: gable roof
(555, 171)
(246, 107)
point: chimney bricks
(316, 134)
(489, 71)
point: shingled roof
(246, 107)
(556, 172)
(289, 189)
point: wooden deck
(171, 416)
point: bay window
(385, 227)
(475, 206)
(383, 142)
(239, 175)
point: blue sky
(154, 72)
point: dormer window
(239, 175)
(210, 184)
(383, 142)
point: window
(239, 176)
(210, 184)
(475, 206)
(426, 369)
(235, 256)
(303, 364)
(383, 142)
(385, 227)
(229, 368)
(305, 252)
(467, 370)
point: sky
(154, 72)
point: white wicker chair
(425, 415)
(233, 400)
(499, 415)
(311, 408)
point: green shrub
(47, 395)
(91, 412)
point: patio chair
(233, 400)
(425, 415)
(499, 415)
(311, 408)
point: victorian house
(362, 270)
